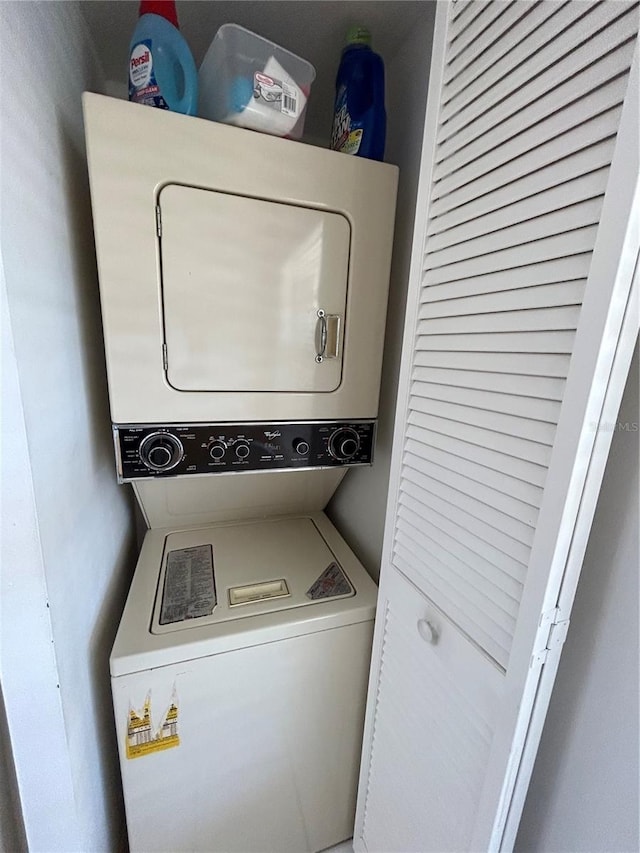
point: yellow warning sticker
(143, 738)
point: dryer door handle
(327, 336)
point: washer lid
(234, 571)
(298, 547)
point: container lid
(164, 8)
(358, 35)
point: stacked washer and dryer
(243, 283)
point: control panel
(181, 450)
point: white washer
(240, 722)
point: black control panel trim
(225, 448)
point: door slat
(561, 39)
(534, 408)
(506, 34)
(507, 92)
(505, 210)
(466, 32)
(501, 281)
(543, 387)
(510, 364)
(520, 299)
(461, 457)
(583, 85)
(556, 246)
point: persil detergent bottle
(162, 72)
(359, 118)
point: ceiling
(314, 29)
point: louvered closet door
(519, 326)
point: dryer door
(253, 292)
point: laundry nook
(319, 426)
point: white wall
(11, 829)
(359, 506)
(584, 792)
(67, 547)
(27, 657)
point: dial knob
(160, 451)
(242, 450)
(344, 443)
(159, 456)
(217, 450)
(300, 446)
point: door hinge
(158, 221)
(165, 359)
(553, 632)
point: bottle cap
(164, 8)
(359, 35)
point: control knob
(300, 446)
(344, 443)
(217, 450)
(242, 450)
(160, 451)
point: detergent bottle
(359, 119)
(162, 72)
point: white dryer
(239, 676)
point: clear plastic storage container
(251, 82)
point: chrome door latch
(327, 336)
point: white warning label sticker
(189, 585)
(332, 583)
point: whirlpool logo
(272, 435)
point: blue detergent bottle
(359, 118)
(162, 72)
